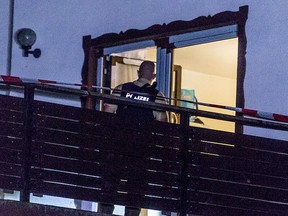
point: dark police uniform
(135, 92)
(138, 90)
(143, 86)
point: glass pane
(209, 75)
(204, 36)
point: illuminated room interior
(208, 69)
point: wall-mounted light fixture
(26, 38)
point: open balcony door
(207, 73)
(170, 41)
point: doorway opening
(208, 75)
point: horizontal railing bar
(166, 107)
(157, 106)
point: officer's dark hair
(145, 65)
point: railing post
(184, 121)
(28, 113)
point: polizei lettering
(137, 97)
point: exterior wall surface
(60, 25)
(4, 26)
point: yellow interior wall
(215, 90)
(211, 70)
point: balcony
(71, 152)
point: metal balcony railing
(65, 151)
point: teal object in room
(188, 95)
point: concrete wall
(60, 26)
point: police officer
(142, 85)
(146, 74)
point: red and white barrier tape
(248, 112)
(251, 112)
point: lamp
(26, 38)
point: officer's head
(146, 70)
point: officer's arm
(161, 116)
(111, 108)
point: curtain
(122, 73)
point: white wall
(4, 17)
(60, 26)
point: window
(203, 59)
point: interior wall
(122, 73)
(216, 58)
(212, 89)
(127, 72)
(211, 70)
